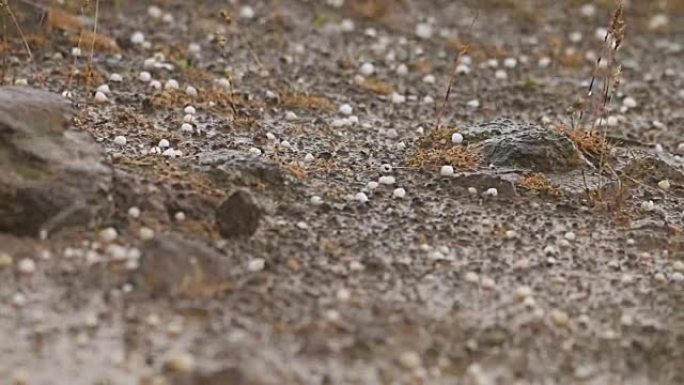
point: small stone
(521, 293)
(410, 360)
(145, 77)
(180, 363)
(570, 236)
(446, 171)
(647, 206)
(492, 192)
(398, 98)
(108, 235)
(664, 184)
(100, 97)
(346, 109)
(239, 215)
(137, 38)
(367, 69)
(256, 265)
(660, 278)
(472, 277)
(424, 30)
(146, 233)
(247, 12)
(387, 180)
(559, 318)
(19, 300)
(171, 84)
(179, 216)
(120, 140)
(488, 283)
(27, 266)
(361, 197)
(511, 234)
(399, 193)
(677, 277)
(472, 191)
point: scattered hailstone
(256, 265)
(347, 25)
(472, 191)
(146, 233)
(27, 266)
(402, 70)
(154, 12)
(424, 30)
(559, 318)
(588, 10)
(430, 79)
(108, 235)
(76, 52)
(522, 293)
(446, 170)
(658, 22)
(134, 212)
(472, 277)
(492, 192)
(247, 12)
(570, 236)
(120, 140)
(194, 48)
(164, 143)
(22, 82)
(190, 110)
(601, 33)
(647, 206)
(398, 98)
(664, 184)
(316, 200)
(399, 193)
(156, 84)
(171, 84)
(367, 69)
(510, 62)
(187, 128)
(191, 91)
(179, 216)
(501, 75)
(115, 78)
(629, 102)
(463, 69)
(225, 83)
(488, 283)
(145, 76)
(19, 300)
(254, 150)
(100, 97)
(361, 197)
(137, 38)
(575, 37)
(309, 158)
(410, 360)
(180, 363)
(428, 99)
(346, 109)
(511, 234)
(387, 180)
(473, 104)
(544, 62)
(290, 116)
(372, 185)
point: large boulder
(51, 175)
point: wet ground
(297, 226)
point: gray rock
(507, 143)
(227, 168)
(239, 215)
(51, 175)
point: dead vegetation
(376, 86)
(305, 101)
(540, 183)
(435, 149)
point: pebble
(424, 30)
(402, 70)
(472, 277)
(387, 180)
(521, 293)
(398, 98)
(146, 233)
(559, 318)
(647, 206)
(316, 200)
(256, 265)
(473, 104)
(100, 97)
(367, 69)
(27, 266)
(361, 197)
(108, 235)
(446, 171)
(410, 360)
(664, 184)
(290, 116)
(120, 140)
(399, 193)
(488, 283)
(181, 363)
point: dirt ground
(430, 278)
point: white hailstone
(424, 30)
(146, 233)
(343, 294)
(647, 206)
(290, 116)
(463, 69)
(115, 78)
(522, 293)
(149, 63)
(660, 277)
(309, 157)
(544, 62)
(629, 102)
(254, 150)
(120, 140)
(446, 170)
(367, 69)
(472, 191)
(316, 200)
(76, 52)
(372, 185)
(492, 192)
(430, 79)
(256, 265)
(501, 75)
(488, 283)
(428, 99)
(285, 144)
(588, 10)
(346, 109)
(104, 88)
(19, 300)
(187, 128)
(570, 236)
(134, 212)
(510, 62)
(270, 136)
(302, 225)
(100, 97)
(402, 70)
(137, 38)
(600, 33)
(398, 98)
(190, 110)
(145, 76)
(370, 32)
(492, 63)
(559, 318)
(21, 82)
(347, 25)
(385, 168)
(575, 37)
(108, 235)
(189, 118)
(511, 234)
(225, 84)
(180, 216)
(410, 360)
(180, 363)
(171, 84)
(156, 84)
(194, 48)
(191, 91)
(387, 180)
(658, 21)
(399, 193)
(473, 104)
(247, 12)
(27, 266)
(338, 123)
(678, 266)
(168, 18)
(353, 120)
(659, 148)
(472, 277)
(677, 277)
(658, 124)
(664, 184)
(361, 197)
(154, 12)
(164, 143)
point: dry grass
(540, 183)
(592, 143)
(377, 10)
(377, 86)
(305, 101)
(435, 150)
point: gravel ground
(502, 273)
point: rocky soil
(258, 192)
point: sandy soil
(539, 284)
